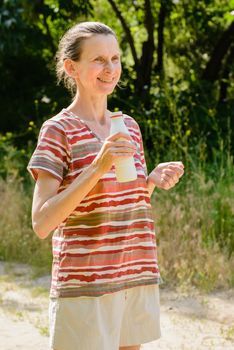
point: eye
(99, 59)
(115, 59)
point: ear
(70, 67)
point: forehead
(100, 44)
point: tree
(221, 49)
(145, 63)
(177, 62)
(30, 31)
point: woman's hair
(70, 46)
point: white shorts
(124, 318)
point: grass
(195, 231)
(228, 333)
(194, 225)
(39, 292)
(44, 330)
(18, 242)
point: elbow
(40, 232)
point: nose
(109, 66)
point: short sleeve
(52, 151)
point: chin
(106, 91)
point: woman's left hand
(166, 175)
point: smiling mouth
(106, 81)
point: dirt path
(189, 321)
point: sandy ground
(189, 321)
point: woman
(104, 291)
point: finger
(119, 135)
(178, 170)
(125, 152)
(127, 144)
(113, 153)
(172, 174)
(169, 172)
(177, 164)
(172, 179)
(168, 179)
(165, 184)
(122, 150)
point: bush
(18, 241)
(196, 232)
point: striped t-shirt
(108, 242)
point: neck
(90, 108)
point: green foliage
(14, 158)
(29, 35)
(18, 241)
(195, 229)
(180, 105)
(220, 227)
(183, 114)
(194, 225)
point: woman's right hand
(119, 145)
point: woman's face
(99, 67)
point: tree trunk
(161, 23)
(126, 30)
(225, 76)
(144, 69)
(214, 66)
(142, 65)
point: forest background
(177, 82)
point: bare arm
(51, 208)
(151, 186)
